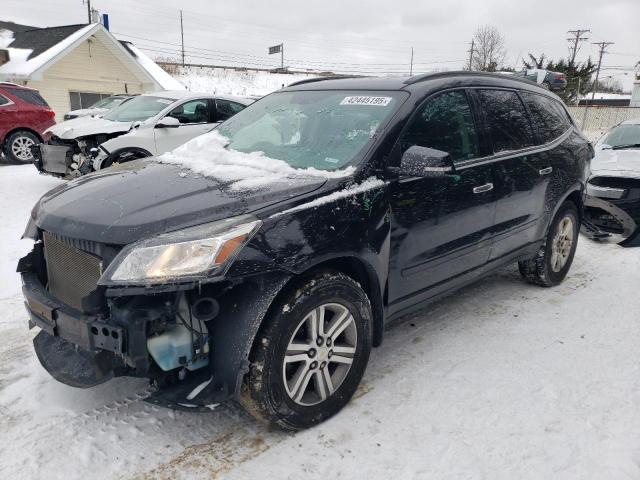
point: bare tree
(489, 50)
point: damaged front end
(174, 332)
(68, 157)
(612, 208)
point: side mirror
(168, 122)
(425, 162)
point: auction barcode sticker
(366, 100)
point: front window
(138, 109)
(622, 136)
(312, 129)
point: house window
(80, 100)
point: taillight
(51, 114)
(562, 76)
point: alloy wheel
(562, 243)
(21, 148)
(319, 354)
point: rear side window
(548, 116)
(445, 123)
(226, 109)
(29, 96)
(3, 100)
(506, 119)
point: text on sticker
(366, 100)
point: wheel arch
(108, 161)
(20, 129)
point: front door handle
(483, 188)
(545, 171)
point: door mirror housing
(168, 122)
(425, 162)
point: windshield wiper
(628, 145)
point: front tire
(309, 357)
(18, 145)
(553, 261)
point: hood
(140, 199)
(84, 126)
(624, 163)
(85, 112)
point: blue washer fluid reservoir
(168, 348)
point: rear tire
(310, 355)
(552, 263)
(17, 146)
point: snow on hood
(206, 155)
(83, 126)
(617, 162)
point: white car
(147, 125)
(99, 108)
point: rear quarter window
(506, 120)
(30, 96)
(548, 116)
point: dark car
(554, 81)
(612, 206)
(261, 261)
(24, 116)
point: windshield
(622, 135)
(320, 129)
(138, 109)
(109, 102)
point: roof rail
(320, 79)
(466, 73)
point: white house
(73, 66)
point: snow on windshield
(206, 155)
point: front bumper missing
(54, 159)
(607, 216)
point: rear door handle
(483, 188)
(545, 171)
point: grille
(73, 274)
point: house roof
(33, 50)
(37, 39)
(165, 80)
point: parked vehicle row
(145, 125)
(99, 108)
(311, 219)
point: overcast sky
(357, 36)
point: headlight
(192, 253)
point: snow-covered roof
(22, 64)
(32, 50)
(165, 80)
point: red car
(24, 116)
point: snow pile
(368, 184)
(207, 156)
(224, 81)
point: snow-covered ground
(502, 380)
(224, 81)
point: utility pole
(577, 36)
(411, 67)
(603, 46)
(282, 56)
(471, 52)
(182, 36)
(88, 11)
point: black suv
(260, 262)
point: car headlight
(192, 253)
